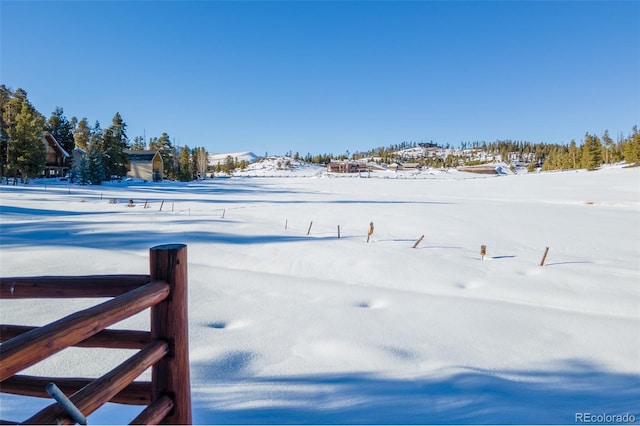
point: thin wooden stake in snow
(338, 231)
(223, 212)
(483, 251)
(418, 242)
(309, 230)
(370, 231)
(161, 204)
(544, 256)
(286, 223)
(145, 203)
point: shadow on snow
(226, 393)
(82, 234)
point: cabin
(403, 166)
(394, 167)
(410, 166)
(342, 167)
(145, 165)
(57, 164)
(485, 169)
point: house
(342, 167)
(394, 166)
(77, 155)
(410, 166)
(403, 166)
(145, 165)
(57, 164)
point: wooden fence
(165, 348)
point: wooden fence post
(483, 251)
(169, 322)
(309, 230)
(418, 241)
(544, 256)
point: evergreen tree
(114, 144)
(61, 129)
(591, 152)
(27, 154)
(229, 165)
(195, 153)
(186, 169)
(81, 134)
(551, 162)
(596, 152)
(631, 148)
(80, 171)
(607, 147)
(138, 144)
(95, 169)
(165, 147)
(575, 155)
(5, 97)
(11, 105)
(95, 136)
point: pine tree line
(593, 153)
(23, 154)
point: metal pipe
(66, 403)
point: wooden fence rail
(164, 348)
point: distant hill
(281, 166)
(249, 157)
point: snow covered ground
(287, 327)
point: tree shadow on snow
(67, 233)
(45, 213)
(225, 393)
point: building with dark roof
(145, 165)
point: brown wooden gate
(164, 348)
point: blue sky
(330, 76)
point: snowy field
(287, 327)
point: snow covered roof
(53, 143)
(146, 155)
